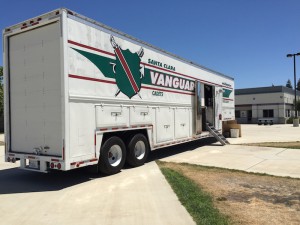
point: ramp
(217, 134)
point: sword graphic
(125, 65)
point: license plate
(33, 164)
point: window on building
(288, 113)
(237, 114)
(268, 113)
(249, 115)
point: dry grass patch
(294, 145)
(247, 198)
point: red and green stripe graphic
(127, 69)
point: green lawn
(197, 202)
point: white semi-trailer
(79, 93)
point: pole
(295, 85)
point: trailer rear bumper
(36, 162)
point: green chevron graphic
(226, 92)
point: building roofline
(266, 90)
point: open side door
(209, 103)
(198, 109)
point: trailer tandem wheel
(137, 150)
(112, 156)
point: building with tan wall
(275, 103)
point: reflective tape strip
(82, 162)
(122, 128)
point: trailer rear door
(35, 96)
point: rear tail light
(13, 160)
(54, 165)
(8, 159)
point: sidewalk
(274, 161)
(253, 133)
(138, 196)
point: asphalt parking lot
(139, 195)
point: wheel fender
(98, 142)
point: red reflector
(73, 163)
(52, 165)
(58, 166)
(23, 27)
(35, 23)
(93, 160)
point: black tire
(137, 158)
(112, 156)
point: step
(217, 135)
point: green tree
(1, 92)
(289, 84)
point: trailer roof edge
(75, 14)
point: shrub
(290, 120)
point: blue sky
(247, 40)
